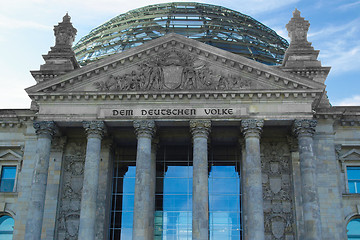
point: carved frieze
(277, 191)
(70, 198)
(172, 70)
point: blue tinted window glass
(7, 182)
(6, 227)
(177, 185)
(224, 186)
(121, 217)
(129, 185)
(128, 202)
(173, 193)
(179, 171)
(353, 173)
(353, 229)
(224, 194)
(223, 171)
(352, 187)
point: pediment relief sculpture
(173, 70)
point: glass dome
(210, 24)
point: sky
(26, 33)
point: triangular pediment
(174, 63)
(352, 155)
(9, 154)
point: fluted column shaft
(304, 130)
(94, 131)
(144, 191)
(45, 131)
(154, 146)
(252, 183)
(200, 130)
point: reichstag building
(180, 121)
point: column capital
(45, 128)
(144, 128)
(252, 127)
(94, 128)
(200, 128)
(304, 127)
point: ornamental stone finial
(298, 28)
(65, 33)
(200, 128)
(304, 127)
(145, 128)
(252, 126)
(94, 128)
(45, 128)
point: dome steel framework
(211, 24)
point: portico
(177, 138)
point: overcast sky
(26, 33)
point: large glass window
(173, 197)
(224, 194)
(7, 181)
(353, 175)
(353, 229)
(173, 216)
(122, 209)
(6, 227)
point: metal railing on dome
(213, 25)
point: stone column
(154, 147)
(304, 130)
(45, 131)
(144, 194)
(94, 131)
(252, 181)
(200, 130)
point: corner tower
(61, 58)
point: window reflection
(173, 199)
(224, 194)
(122, 209)
(173, 217)
(353, 229)
(6, 227)
(353, 175)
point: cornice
(266, 95)
(347, 115)
(213, 54)
(15, 118)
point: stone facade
(295, 147)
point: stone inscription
(170, 112)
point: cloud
(351, 101)
(341, 56)
(14, 23)
(256, 6)
(348, 28)
(339, 46)
(349, 5)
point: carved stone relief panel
(70, 196)
(173, 70)
(277, 191)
